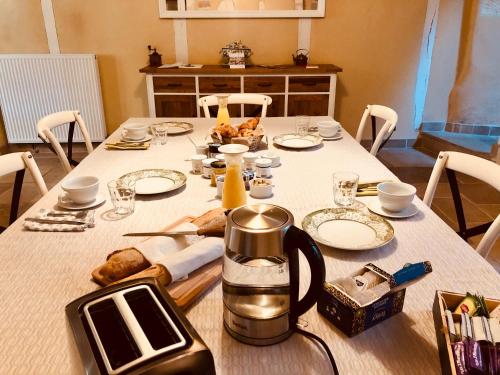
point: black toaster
(136, 328)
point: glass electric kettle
(261, 274)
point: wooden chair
(18, 162)
(474, 166)
(54, 120)
(378, 111)
(258, 99)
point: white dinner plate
(177, 127)
(409, 211)
(348, 229)
(296, 141)
(64, 202)
(145, 139)
(156, 181)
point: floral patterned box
(349, 316)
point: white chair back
(54, 120)
(258, 99)
(474, 166)
(389, 115)
(15, 162)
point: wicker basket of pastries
(249, 133)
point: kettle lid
(257, 230)
(260, 216)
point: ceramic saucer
(64, 202)
(334, 138)
(409, 211)
(128, 140)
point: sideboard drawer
(309, 84)
(213, 85)
(264, 84)
(174, 84)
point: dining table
(42, 272)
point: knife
(211, 231)
(56, 221)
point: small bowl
(275, 158)
(395, 196)
(261, 188)
(328, 128)
(82, 189)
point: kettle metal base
(257, 332)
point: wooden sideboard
(174, 92)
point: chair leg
(71, 131)
(374, 128)
(16, 196)
(457, 201)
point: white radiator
(33, 86)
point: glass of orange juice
(233, 192)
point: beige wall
(376, 42)
(118, 31)
(21, 31)
(272, 40)
(444, 60)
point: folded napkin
(368, 188)
(122, 147)
(156, 248)
(127, 146)
(182, 263)
(47, 220)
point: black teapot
(301, 56)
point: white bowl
(81, 189)
(328, 128)
(261, 188)
(395, 196)
(135, 131)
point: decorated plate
(297, 141)
(348, 229)
(178, 127)
(155, 181)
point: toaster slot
(158, 330)
(116, 339)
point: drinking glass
(345, 185)
(160, 134)
(122, 194)
(302, 125)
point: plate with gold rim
(156, 181)
(348, 229)
(296, 141)
(177, 127)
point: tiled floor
(481, 202)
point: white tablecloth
(40, 273)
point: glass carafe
(222, 111)
(233, 191)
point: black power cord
(312, 336)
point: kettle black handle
(294, 240)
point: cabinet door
(309, 84)
(264, 84)
(276, 109)
(174, 84)
(311, 105)
(175, 105)
(222, 85)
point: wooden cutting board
(186, 292)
